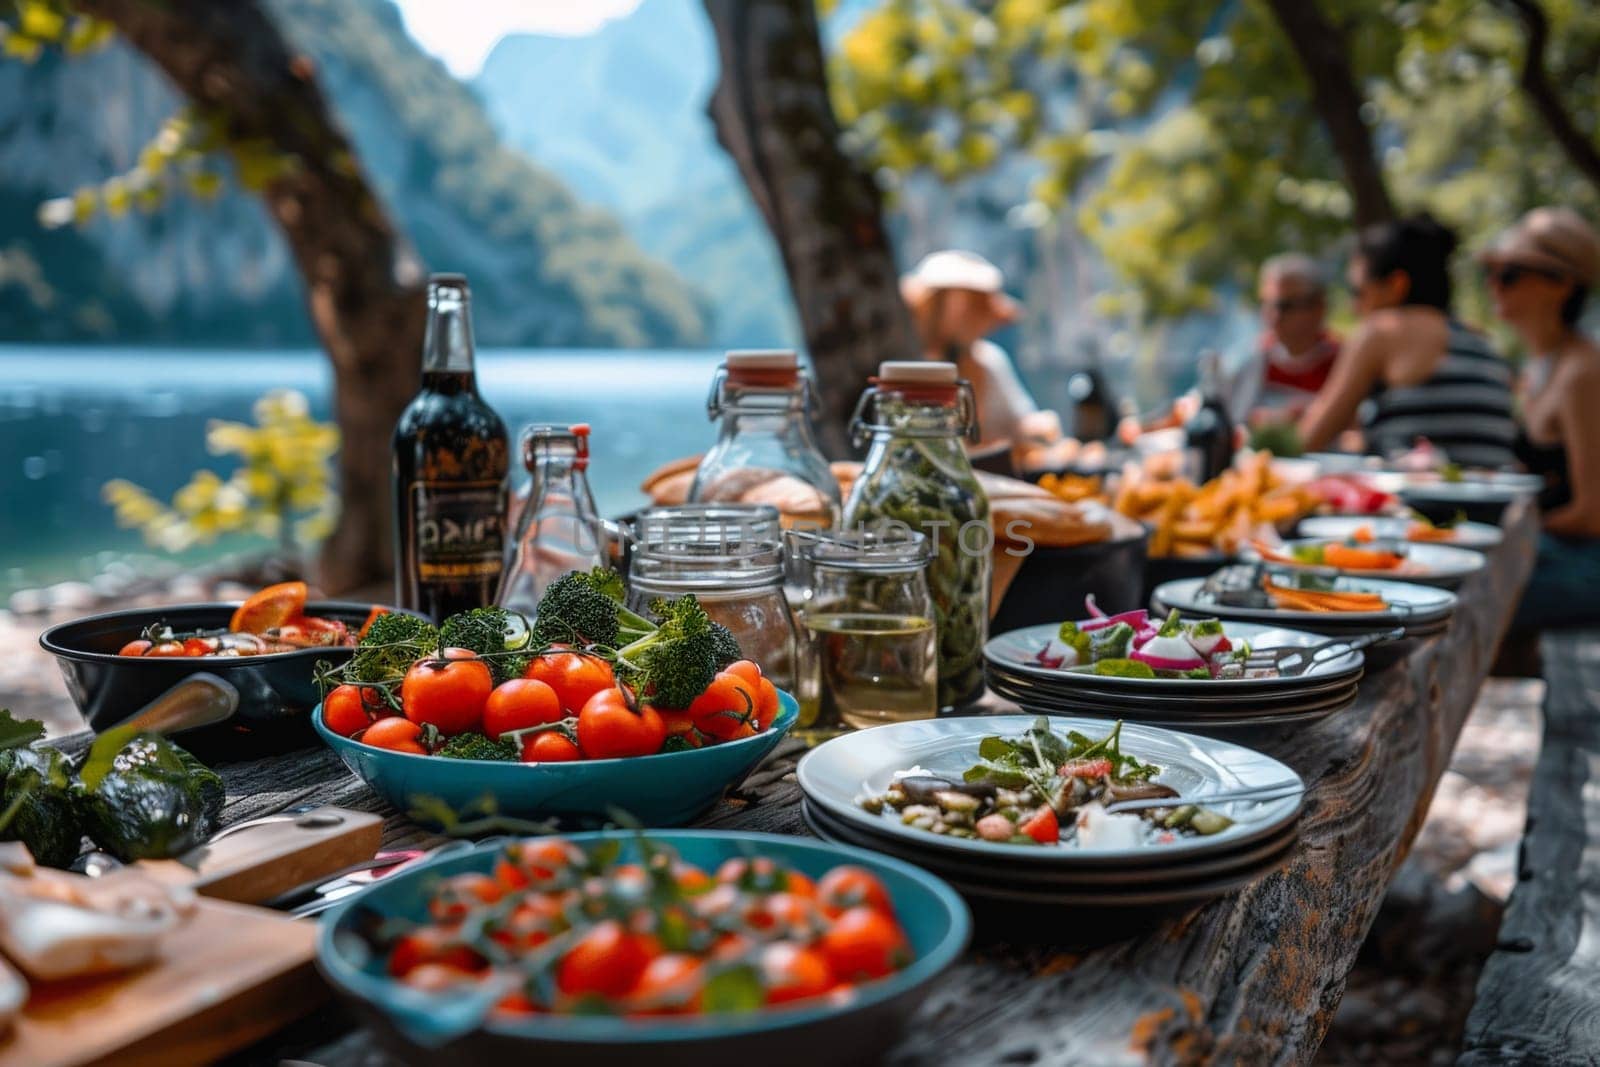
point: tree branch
(774, 118)
(1338, 101)
(363, 285)
(1542, 92)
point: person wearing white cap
(1539, 273)
(956, 300)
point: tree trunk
(1546, 100)
(774, 118)
(363, 285)
(1338, 101)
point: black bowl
(1052, 582)
(276, 691)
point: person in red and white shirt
(1296, 352)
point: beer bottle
(451, 460)
(1209, 433)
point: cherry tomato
(607, 960)
(691, 879)
(549, 746)
(574, 677)
(863, 943)
(457, 653)
(536, 861)
(517, 1004)
(311, 630)
(798, 884)
(849, 887)
(1043, 826)
(537, 919)
(680, 724)
(727, 709)
(518, 703)
(134, 648)
(167, 648)
(758, 875)
(396, 734)
(269, 608)
(670, 984)
(788, 914)
(748, 669)
(345, 710)
(430, 944)
(449, 694)
(609, 729)
(767, 705)
(793, 972)
(458, 895)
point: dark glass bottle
(1209, 432)
(451, 461)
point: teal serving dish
(426, 1028)
(668, 789)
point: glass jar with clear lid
(763, 404)
(730, 556)
(868, 650)
(917, 477)
(557, 527)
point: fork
(1259, 794)
(1287, 661)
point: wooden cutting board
(230, 975)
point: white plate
(1474, 535)
(1012, 651)
(1417, 604)
(1424, 563)
(837, 773)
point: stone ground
(1407, 1000)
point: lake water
(73, 418)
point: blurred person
(957, 299)
(1539, 273)
(1411, 370)
(1291, 361)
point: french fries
(1190, 521)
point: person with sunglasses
(1411, 370)
(1539, 274)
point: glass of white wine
(868, 646)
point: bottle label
(460, 529)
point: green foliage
(1181, 139)
(282, 488)
(28, 27)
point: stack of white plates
(837, 775)
(1425, 564)
(1420, 610)
(1013, 672)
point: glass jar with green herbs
(917, 477)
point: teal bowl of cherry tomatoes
(585, 758)
(662, 948)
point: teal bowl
(860, 1029)
(668, 789)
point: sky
(461, 32)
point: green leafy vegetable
(16, 733)
(148, 798)
(1075, 639)
(1111, 642)
(1124, 668)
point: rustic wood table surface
(1253, 977)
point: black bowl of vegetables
(276, 683)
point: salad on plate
(1133, 645)
(1044, 789)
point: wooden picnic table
(1253, 977)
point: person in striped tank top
(1411, 371)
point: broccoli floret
(585, 608)
(477, 746)
(392, 644)
(675, 663)
(487, 631)
(726, 645)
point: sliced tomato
(1043, 826)
(270, 608)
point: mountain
(547, 268)
(620, 116)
